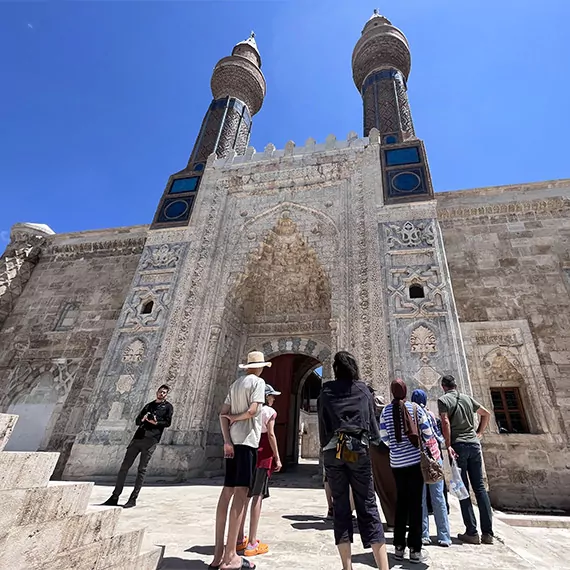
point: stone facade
(302, 251)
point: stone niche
(525, 470)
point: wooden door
(280, 376)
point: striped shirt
(403, 454)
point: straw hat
(255, 359)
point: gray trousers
(145, 447)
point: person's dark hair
(448, 381)
(165, 386)
(345, 367)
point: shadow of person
(175, 563)
(368, 559)
(302, 518)
(204, 550)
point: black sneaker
(130, 504)
(112, 501)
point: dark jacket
(346, 407)
(163, 412)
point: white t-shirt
(267, 414)
(242, 393)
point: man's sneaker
(426, 540)
(487, 539)
(417, 557)
(469, 538)
(443, 543)
(130, 503)
(112, 501)
(399, 553)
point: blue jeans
(470, 461)
(439, 511)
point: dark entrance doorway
(288, 375)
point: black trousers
(409, 485)
(145, 447)
(342, 476)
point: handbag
(432, 470)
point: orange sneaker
(256, 549)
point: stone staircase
(48, 525)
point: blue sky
(101, 101)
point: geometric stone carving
(424, 342)
(409, 234)
(427, 377)
(500, 367)
(134, 352)
(431, 305)
(162, 257)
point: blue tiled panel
(407, 182)
(409, 155)
(175, 210)
(184, 185)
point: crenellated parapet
(291, 150)
(18, 262)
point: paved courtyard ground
(181, 517)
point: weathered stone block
(22, 470)
(22, 507)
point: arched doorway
(292, 375)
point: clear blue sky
(101, 100)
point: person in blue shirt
(400, 432)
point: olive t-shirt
(461, 410)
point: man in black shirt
(152, 420)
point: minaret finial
(376, 10)
(252, 35)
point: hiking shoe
(426, 540)
(487, 539)
(417, 557)
(112, 501)
(469, 538)
(130, 504)
(399, 553)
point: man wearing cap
(241, 434)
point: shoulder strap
(456, 404)
(418, 427)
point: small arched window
(416, 291)
(147, 308)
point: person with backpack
(457, 412)
(347, 427)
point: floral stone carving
(424, 342)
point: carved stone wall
(524, 470)
(507, 249)
(424, 329)
(90, 271)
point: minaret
(238, 87)
(381, 64)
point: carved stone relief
(424, 342)
(165, 256)
(431, 305)
(135, 319)
(410, 235)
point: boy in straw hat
(240, 420)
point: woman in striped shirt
(399, 431)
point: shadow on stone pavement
(204, 550)
(174, 563)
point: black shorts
(240, 469)
(260, 487)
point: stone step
(22, 507)
(26, 469)
(31, 545)
(118, 552)
(121, 550)
(147, 560)
(7, 423)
